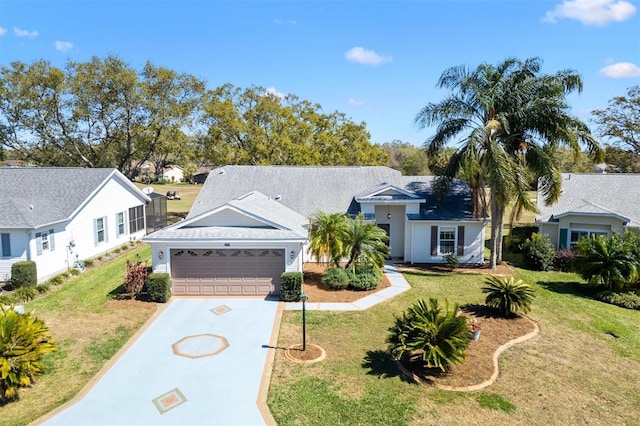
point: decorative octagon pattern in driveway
(200, 362)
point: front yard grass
(573, 372)
(89, 328)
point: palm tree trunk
(497, 213)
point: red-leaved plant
(134, 277)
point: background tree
(620, 121)
(409, 159)
(510, 119)
(254, 127)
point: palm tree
(606, 261)
(328, 233)
(508, 295)
(365, 243)
(511, 120)
(440, 337)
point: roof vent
(278, 197)
(221, 172)
(30, 206)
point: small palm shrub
(336, 278)
(608, 262)
(57, 279)
(508, 296)
(537, 252)
(24, 339)
(24, 294)
(440, 336)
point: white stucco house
(54, 216)
(591, 204)
(172, 173)
(249, 224)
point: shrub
(24, 294)
(24, 274)
(563, 260)
(608, 262)
(24, 339)
(364, 280)
(135, 277)
(440, 337)
(452, 262)
(336, 278)
(537, 252)
(5, 301)
(75, 271)
(88, 263)
(57, 280)
(159, 287)
(43, 288)
(628, 300)
(508, 295)
(290, 286)
(517, 236)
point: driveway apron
(199, 363)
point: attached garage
(226, 272)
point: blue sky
(376, 61)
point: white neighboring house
(54, 216)
(172, 173)
(249, 224)
(591, 204)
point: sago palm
(607, 261)
(508, 296)
(439, 336)
(24, 339)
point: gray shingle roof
(597, 194)
(328, 189)
(36, 196)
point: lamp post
(303, 297)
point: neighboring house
(591, 204)
(172, 173)
(201, 175)
(249, 224)
(55, 216)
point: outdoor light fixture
(160, 254)
(389, 215)
(292, 254)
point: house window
(5, 245)
(100, 230)
(120, 223)
(136, 219)
(446, 240)
(576, 235)
(45, 241)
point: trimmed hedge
(336, 278)
(517, 237)
(24, 274)
(290, 286)
(159, 287)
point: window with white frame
(100, 231)
(136, 219)
(577, 234)
(120, 223)
(446, 240)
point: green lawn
(89, 328)
(573, 372)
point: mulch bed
(317, 292)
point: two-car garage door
(226, 272)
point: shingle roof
(596, 194)
(328, 189)
(35, 196)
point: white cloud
(272, 91)
(24, 33)
(591, 12)
(285, 22)
(363, 56)
(355, 102)
(621, 70)
(63, 46)
(3, 31)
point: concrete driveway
(200, 362)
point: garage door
(226, 272)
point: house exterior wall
(229, 217)
(396, 226)
(19, 244)
(421, 242)
(560, 236)
(173, 174)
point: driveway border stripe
(265, 382)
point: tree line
(105, 113)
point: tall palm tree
(366, 243)
(327, 236)
(511, 120)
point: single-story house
(55, 216)
(172, 173)
(591, 204)
(249, 224)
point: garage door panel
(226, 272)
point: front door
(386, 228)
